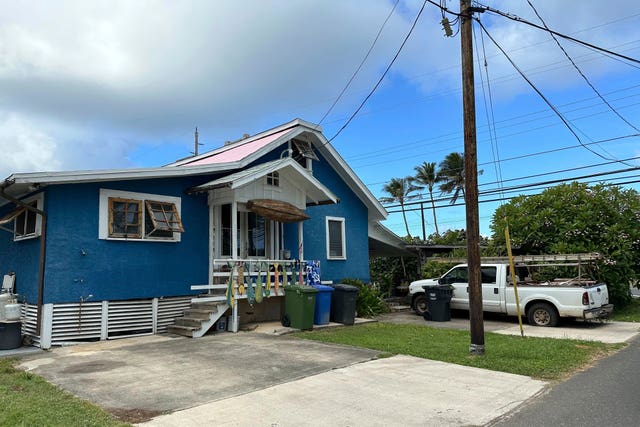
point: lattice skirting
(69, 323)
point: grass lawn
(630, 313)
(28, 400)
(543, 358)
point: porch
(241, 287)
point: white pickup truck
(542, 303)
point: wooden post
(471, 182)
(424, 234)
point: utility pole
(471, 181)
(195, 142)
(424, 233)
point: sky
(122, 84)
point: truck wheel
(542, 314)
(420, 304)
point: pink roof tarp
(238, 151)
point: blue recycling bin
(322, 309)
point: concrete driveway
(254, 379)
(607, 331)
(261, 378)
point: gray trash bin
(439, 301)
(343, 304)
(10, 335)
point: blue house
(102, 254)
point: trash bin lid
(298, 288)
(345, 288)
(323, 288)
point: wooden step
(189, 321)
(196, 313)
(186, 331)
(207, 305)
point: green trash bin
(299, 306)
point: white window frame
(344, 238)
(273, 179)
(103, 214)
(39, 199)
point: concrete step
(186, 331)
(190, 321)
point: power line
(505, 123)
(522, 186)
(415, 21)
(353, 76)
(564, 36)
(580, 71)
(544, 98)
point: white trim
(344, 238)
(39, 199)
(103, 214)
(376, 210)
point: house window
(26, 223)
(336, 247)
(273, 179)
(164, 219)
(125, 219)
(139, 216)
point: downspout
(43, 245)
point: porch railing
(245, 276)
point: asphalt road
(604, 395)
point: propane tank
(4, 300)
(12, 311)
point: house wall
(79, 264)
(351, 208)
(21, 257)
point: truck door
(491, 298)
(458, 278)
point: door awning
(277, 210)
(316, 193)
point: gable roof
(247, 150)
(315, 190)
(233, 156)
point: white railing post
(104, 321)
(46, 326)
(154, 316)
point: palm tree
(451, 173)
(399, 190)
(426, 175)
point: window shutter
(335, 239)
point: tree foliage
(400, 189)
(575, 218)
(427, 175)
(451, 173)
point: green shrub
(369, 302)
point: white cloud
(24, 148)
(108, 76)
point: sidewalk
(401, 390)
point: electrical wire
(564, 36)
(527, 185)
(415, 21)
(355, 73)
(580, 71)
(488, 99)
(542, 96)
